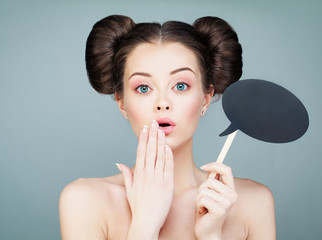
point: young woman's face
(164, 81)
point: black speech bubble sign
(264, 111)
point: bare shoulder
(257, 207)
(93, 193)
(252, 190)
(85, 206)
(93, 187)
(87, 190)
(253, 195)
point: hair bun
(225, 60)
(101, 46)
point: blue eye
(143, 88)
(181, 86)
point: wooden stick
(224, 150)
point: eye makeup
(181, 82)
(141, 89)
(135, 83)
(181, 86)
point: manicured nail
(119, 167)
(154, 124)
(145, 129)
(203, 167)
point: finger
(128, 177)
(217, 176)
(200, 208)
(220, 198)
(224, 170)
(141, 150)
(217, 186)
(211, 206)
(169, 166)
(151, 147)
(159, 166)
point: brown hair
(112, 39)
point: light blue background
(54, 128)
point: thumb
(201, 209)
(128, 177)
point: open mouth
(166, 125)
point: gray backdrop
(54, 128)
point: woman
(163, 79)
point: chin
(176, 143)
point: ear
(120, 103)
(207, 99)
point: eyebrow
(171, 73)
(182, 69)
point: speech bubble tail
(229, 130)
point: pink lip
(166, 130)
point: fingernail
(154, 124)
(203, 167)
(145, 129)
(119, 167)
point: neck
(186, 174)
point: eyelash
(144, 85)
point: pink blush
(186, 81)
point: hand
(214, 201)
(150, 190)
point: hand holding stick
(215, 196)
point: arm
(261, 213)
(140, 231)
(78, 211)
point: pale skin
(165, 195)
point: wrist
(212, 237)
(139, 230)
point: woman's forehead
(160, 57)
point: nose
(162, 104)
(159, 108)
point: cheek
(191, 108)
(194, 110)
(137, 112)
(187, 112)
